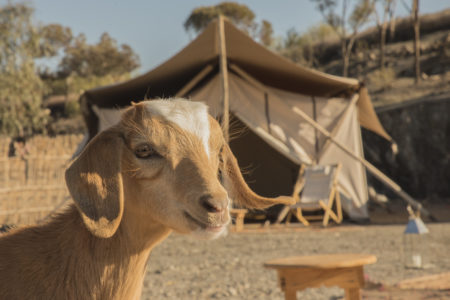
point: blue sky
(154, 29)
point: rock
(408, 49)
(435, 78)
(232, 291)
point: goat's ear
(94, 180)
(238, 188)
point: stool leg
(290, 294)
(353, 294)
(239, 223)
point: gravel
(232, 267)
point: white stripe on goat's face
(190, 116)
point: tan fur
(123, 207)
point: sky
(154, 29)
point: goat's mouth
(205, 226)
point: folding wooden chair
(316, 189)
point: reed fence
(32, 185)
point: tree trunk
(347, 46)
(345, 57)
(392, 22)
(383, 30)
(415, 12)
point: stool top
(325, 261)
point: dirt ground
(232, 267)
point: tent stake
(369, 167)
(224, 75)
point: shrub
(382, 77)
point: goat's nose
(213, 204)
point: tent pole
(316, 136)
(224, 76)
(205, 71)
(371, 168)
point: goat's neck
(128, 252)
(112, 268)
(124, 256)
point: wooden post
(224, 76)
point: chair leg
(339, 206)
(328, 212)
(299, 215)
(283, 213)
(326, 217)
(288, 218)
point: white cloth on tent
(107, 117)
(352, 177)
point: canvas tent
(266, 92)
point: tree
(53, 38)
(21, 89)
(392, 21)
(85, 66)
(415, 12)
(266, 33)
(382, 25)
(300, 47)
(102, 59)
(239, 14)
(346, 26)
(292, 46)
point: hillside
(416, 116)
(396, 83)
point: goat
(164, 167)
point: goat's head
(166, 161)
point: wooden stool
(239, 214)
(301, 272)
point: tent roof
(262, 64)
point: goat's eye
(221, 165)
(221, 154)
(145, 151)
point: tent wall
(275, 121)
(278, 140)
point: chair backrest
(319, 181)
